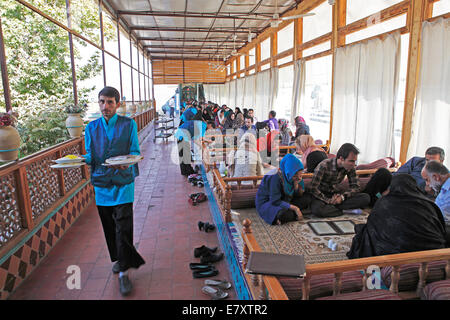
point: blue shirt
(414, 168)
(114, 195)
(443, 200)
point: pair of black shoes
(207, 255)
(203, 270)
(206, 226)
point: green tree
(39, 68)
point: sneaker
(116, 267)
(125, 285)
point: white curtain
(365, 92)
(263, 99)
(249, 95)
(240, 87)
(298, 88)
(431, 116)
(273, 90)
(232, 97)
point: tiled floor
(165, 234)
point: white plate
(67, 165)
(124, 160)
(66, 160)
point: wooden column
(298, 38)
(337, 40)
(258, 57)
(415, 18)
(246, 60)
(4, 69)
(72, 59)
(120, 58)
(23, 196)
(238, 67)
(102, 39)
(131, 63)
(273, 49)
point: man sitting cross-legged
(328, 200)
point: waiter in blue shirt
(109, 136)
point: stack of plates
(123, 160)
(68, 162)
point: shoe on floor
(125, 285)
(221, 284)
(200, 251)
(214, 293)
(211, 257)
(116, 267)
(206, 273)
(200, 266)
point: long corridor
(165, 234)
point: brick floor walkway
(165, 234)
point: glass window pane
(135, 57)
(112, 72)
(376, 29)
(316, 49)
(126, 82)
(54, 9)
(317, 100)
(142, 82)
(124, 47)
(242, 62)
(285, 38)
(135, 86)
(284, 95)
(285, 60)
(266, 66)
(86, 13)
(110, 34)
(251, 58)
(265, 49)
(88, 86)
(319, 24)
(441, 7)
(357, 9)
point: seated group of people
(411, 207)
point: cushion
(322, 285)
(386, 162)
(439, 290)
(243, 198)
(377, 294)
(409, 274)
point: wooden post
(395, 278)
(4, 70)
(23, 197)
(423, 273)
(102, 39)
(415, 16)
(60, 175)
(120, 58)
(238, 67)
(273, 49)
(72, 59)
(258, 57)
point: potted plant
(74, 121)
(122, 109)
(9, 136)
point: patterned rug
(294, 237)
(297, 237)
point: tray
(67, 165)
(123, 160)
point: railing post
(227, 204)
(423, 273)
(84, 169)
(23, 197)
(395, 277)
(60, 175)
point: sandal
(215, 294)
(222, 284)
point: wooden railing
(275, 291)
(30, 189)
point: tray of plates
(123, 160)
(72, 165)
(71, 158)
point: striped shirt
(327, 176)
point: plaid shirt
(327, 176)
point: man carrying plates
(111, 136)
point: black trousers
(324, 210)
(288, 215)
(185, 157)
(117, 222)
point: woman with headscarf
(239, 121)
(300, 127)
(220, 119)
(246, 160)
(206, 116)
(280, 195)
(306, 146)
(285, 132)
(229, 121)
(404, 220)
